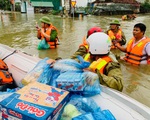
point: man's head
(114, 24)
(93, 30)
(139, 30)
(99, 43)
(45, 20)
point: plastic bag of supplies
(84, 108)
(43, 45)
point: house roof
(42, 4)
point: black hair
(141, 26)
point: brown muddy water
(18, 31)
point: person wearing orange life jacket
(47, 31)
(83, 47)
(115, 33)
(103, 62)
(138, 48)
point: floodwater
(18, 31)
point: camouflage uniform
(112, 76)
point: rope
(10, 54)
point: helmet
(115, 22)
(93, 30)
(45, 19)
(99, 43)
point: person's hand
(51, 62)
(37, 27)
(115, 43)
(88, 69)
(42, 31)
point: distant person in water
(47, 32)
(138, 48)
(129, 17)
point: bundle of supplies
(34, 74)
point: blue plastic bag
(49, 76)
(84, 104)
(87, 108)
(43, 45)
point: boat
(121, 106)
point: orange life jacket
(134, 55)
(53, 44)
(3, 65)
(5, 76)
(117, 36)
(99, 64)
(84, 43)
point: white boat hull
(121, 106)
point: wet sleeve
(147, 48)
(123, 41)
(53, 35)
(82, 51)
(113, 76)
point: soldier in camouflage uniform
(112, 75)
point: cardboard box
(35, 101)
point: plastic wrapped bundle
(73, 78)
(34, 74)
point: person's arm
(113, 76)
(147, 49)
(82, 51)
(53, 35)
(123, 49)
(38, 33)
(123, 39)
(47, 37)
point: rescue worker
(83, 47)
(102, 61)
(47, 31)
(115, 33)
(138, 48)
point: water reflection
(18, 31)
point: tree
(5, 4)
(145, 7)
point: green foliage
(5, 4)
(146, 6)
